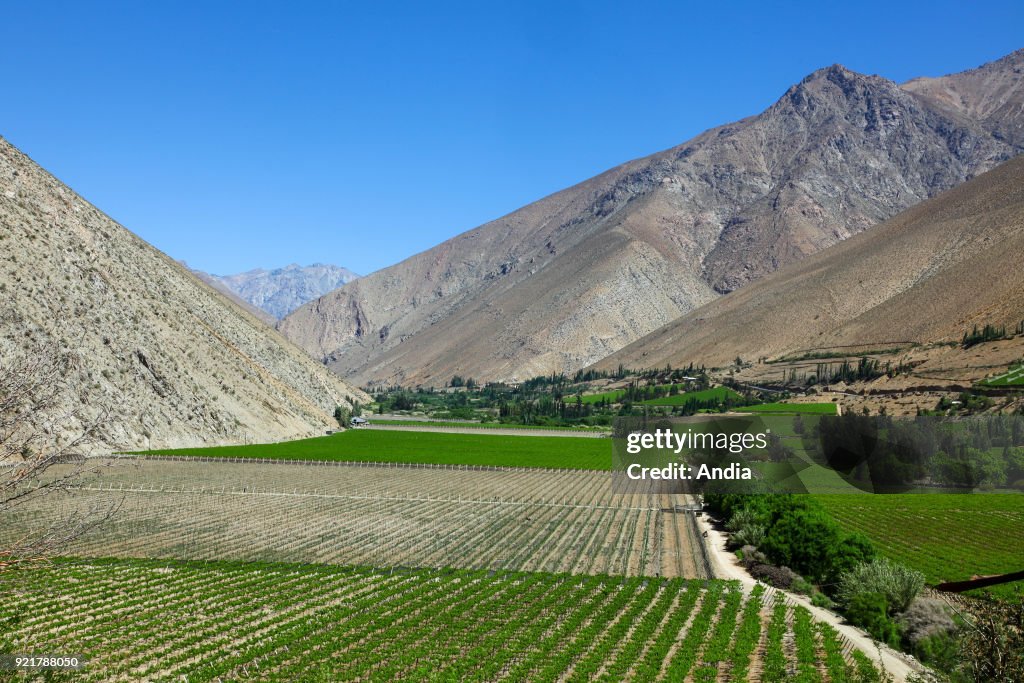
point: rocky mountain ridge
(929, 274)
(280, 291)
(578, 275)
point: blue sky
(237, 135)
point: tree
(342, 415)
(804, 540)
(39, 405)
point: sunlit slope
(926, 275)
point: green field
(1014, 377)
(369, 445)
(949, 537)
(792, 408)
(428, 424)
(223, 621)
(715, 394)
(613, 396)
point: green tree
(804, 540)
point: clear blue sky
(236, 135)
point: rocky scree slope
(168, 359)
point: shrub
(794, 531)
(743, 517)
(993, 648)
(941, 651)
(925, 618)
(780, 577)
(819, 599)
(898, 584)
(805, 540)
(870, 611)
(854, 550)
(752, 556)
(752, 535)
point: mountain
(216, 283)
(168, 359)
(991, 94)
(282, 290)
(578, 275)
(927, 275)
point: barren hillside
(573, 277)
(172, 362)
(927, 275)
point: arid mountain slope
(171, 361)
(567, 280)
(927, 275)
(992, 94)
(280, 291)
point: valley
(417, 474)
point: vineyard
(949, 537)
(378, 515)
(424, 447)
(174, 620)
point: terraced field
(1014, 377)
(949, 537)
(170, 621)
(379, 515)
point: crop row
(423, 532)
(174, 620)
(948, 537)
(373, 480)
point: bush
(752, 535)
(870, 611)
(940, 652)
(926, 618)
(854, 550)
(805, 540)
(752, 556)
(993, 648)
(819, 599)
(743, 517)
(898, 584)
(793, 531)
(780, 577)
(802, 585)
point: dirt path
(726, 566)
(426, 427)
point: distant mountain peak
(279, 291)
